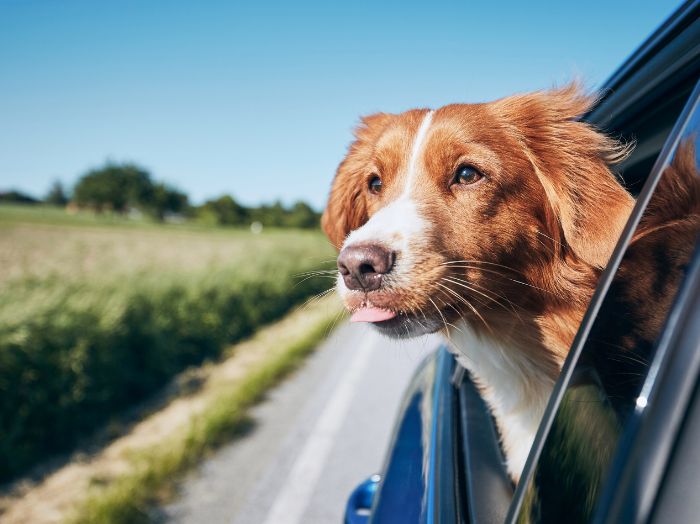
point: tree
(270, 215)
(56, 195)
(167, 200)
(115, 187)
(224, 211)
(303, 216)
(300, 215)
(16, 197)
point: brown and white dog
(490, 222)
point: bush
(74, 354)
(114, 187)
(16, 197)
(56, 195)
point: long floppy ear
(572, 161)
(347, 207)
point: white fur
(393, 226)
(415, 153)
(513, 387)
(398, 223)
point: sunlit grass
(129, 498)
(95, 318)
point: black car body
(617, 442)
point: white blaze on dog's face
(399, 220)
(469, 211)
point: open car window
(610, 359)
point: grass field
(128, 498)
(98, 312)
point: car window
(648, 129)
(604, 384)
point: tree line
(124, 188)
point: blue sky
(258, 99)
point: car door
(608, 432)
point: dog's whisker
(315, 271)
(335, 321)
(310, 301)
(552, 250)
(323, 293)
(311, 275)
(481, 303)
(453, 308)
(444, 320)
(507, 278)
(481, 269)
(468, 304)
(486, 291)
(331, 275)
(451, 262)
(314, 276)
(468, 287)
(550, 238)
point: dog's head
(471, 209)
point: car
(617, 443)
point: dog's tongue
(371, 314)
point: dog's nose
(363, 265)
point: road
(314, 438)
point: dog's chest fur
(514, 388)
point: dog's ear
(346, 209)
(347, 205)
(571, 160)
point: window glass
(648, 129)
(606, 381)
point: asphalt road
(314, 438)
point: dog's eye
(466, 175)
(375, 185)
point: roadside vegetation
(99, 312)
(129, 190)
(127, 478)
(132, 497)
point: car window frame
(675, 499)
(635, 476)
(599, 295)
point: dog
(490, 222)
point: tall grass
(129, 498)
(93, 319)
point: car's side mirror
(357, 510)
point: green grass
(129, 498)
(41, 213)
(96, 318)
